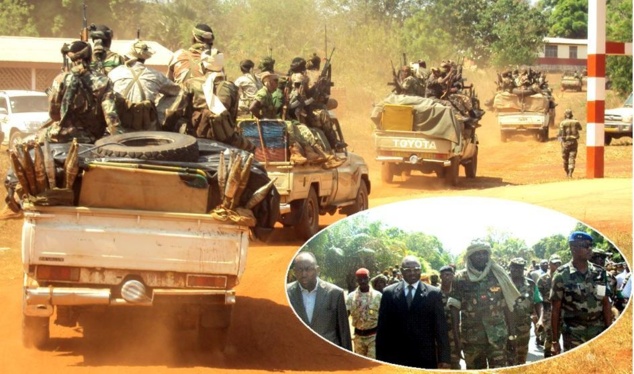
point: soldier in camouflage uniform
(446, 281)
(103, 59)
(214, 103)
(529, 302)
(248, 84)
(579, 296)
(544, 284)
(81, 102)
(568, 136)
(482, 301)
(363, 306)
(408, 83)
(186, 63)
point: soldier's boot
(570, 171)
(332, 162)
(566, 168)
(296, 154)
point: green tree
(619, 28)
(568, 19)
(15, 18)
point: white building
(561, 54)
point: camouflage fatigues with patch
(569, 135)
(455, 358)
(483, 327)
(410, 86)
(522, 316)
(186, 63)
(581, 303)
(82, 105)
(544, 284)
(364, 310)
(105, 61)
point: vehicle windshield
(29, 104)
(628, 102)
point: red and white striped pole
(597, 50)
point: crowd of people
(482, 314)
(103, 93)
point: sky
(455, 221)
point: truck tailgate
(133, 239)
(404, 143)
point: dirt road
(266, 336)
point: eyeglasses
(410, 270)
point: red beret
(363, 271)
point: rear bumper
(394, 159)
(39, 301)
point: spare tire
(149, 145)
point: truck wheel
(387, 172)
(35, 331)
(451, 172)
(471, 168)
(308, 224)
(149, 145)
(607, 139)
(542, 135)
(361, 202)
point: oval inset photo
(462, 283)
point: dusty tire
(150, 145)
(471, 168)
(387, 172)
(361, 203)
(35, 332)
(451, 172)
(308, 224)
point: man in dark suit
(319, 304)
(412, 329)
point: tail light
(57, 273)
(206, 281)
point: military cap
(599, 252)
(268, 76)
(362, 271)
(139, 50)
(518, 261)
(543, 262)
(555, 259)
(580, 237)
(446, 268)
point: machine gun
(83, 35)
(321, 91)
(395, 81)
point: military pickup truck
(524, 114)
(571, 80)
(423, 134)
(105, 233)
(308, 190)
(618, 121)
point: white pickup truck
(139, 234)
(308, 190)
(618, 121)
(528, 114)
(423, 134)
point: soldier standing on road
(568, 136)
(544, 284)
(363, 306)
(530, 301)
(579, 296)
(482, 302)
(81, 102)
(446, 281)
(103, 59)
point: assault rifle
(395, 81)
(84, 24)
(324, 82)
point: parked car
(618, 121)
(22, 113)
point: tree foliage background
(367, 34)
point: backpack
(136, 116)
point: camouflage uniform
(206, 124)
(266, 100)
(581, 305)
(410, 86)
(569, 135)
(522, 316)
(186, 63)
(248, 85)
(484, 332)
(544, 284)
(364, 310)
(455, 357)
(82, 104)
(105, 61)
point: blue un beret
(579, 236)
